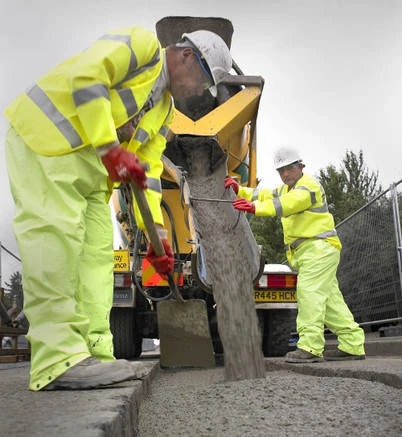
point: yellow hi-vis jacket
(303, 211)
(83, 100)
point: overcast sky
(332, 70)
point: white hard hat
(214, 51)
(285, 156)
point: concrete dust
(184, 330)
(230, 256)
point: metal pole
(209, 199)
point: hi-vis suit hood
(83, 100)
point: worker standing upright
(83, 126)
(313, 250)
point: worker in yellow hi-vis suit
(84, 125)
(313, 250)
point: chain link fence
(369, 273)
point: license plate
(122, 295)
(275, 296)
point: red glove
(244, 205)
(230, 182)
(124, 166)
(163, 264)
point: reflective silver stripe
(164, 130)
(141, 135)
(312, 193)
(295, 243)
(254, 195)
(85, 95)
(313, 198)
(154, 185)
(324, 207)
(327, 234)
(278, 206)
(127, 97)
(125, 39)
(133, 72)
(320, 209)
(322, 235)
(43, 102)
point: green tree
(268, 233)
(350, 187)
(14, 294)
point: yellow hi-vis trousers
(64, 231)
(320, 302)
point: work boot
(91, 373)
(338, 355)
(302, 356)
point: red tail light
(277, 281)
(282, 281)
(122, 280)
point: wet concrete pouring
(230, 255)
(201, 403)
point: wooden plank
(8, 359)
(13, 351)
(6, 331)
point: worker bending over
(313, 250)
(83, 126)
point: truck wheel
(127, 341)
(276, 328)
